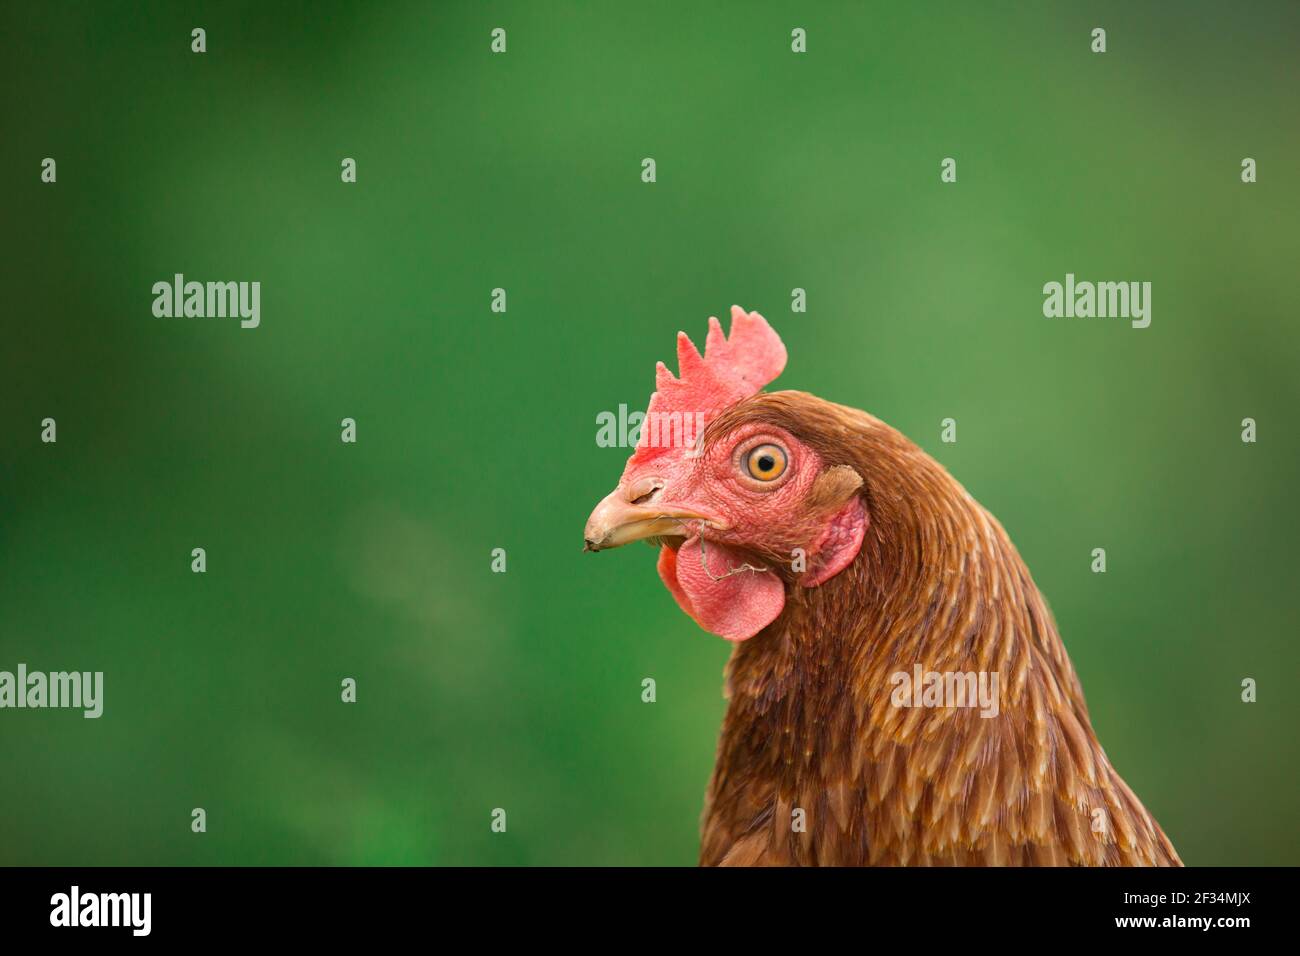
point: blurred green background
(477, 430)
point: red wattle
(735, 606)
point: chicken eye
(766, 462)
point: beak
(617, 520)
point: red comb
(731, 369)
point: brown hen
(861, 566)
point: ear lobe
(833, 489)
(844, 532)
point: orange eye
(766, 462)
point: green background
(477, 430)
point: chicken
(898, 692)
